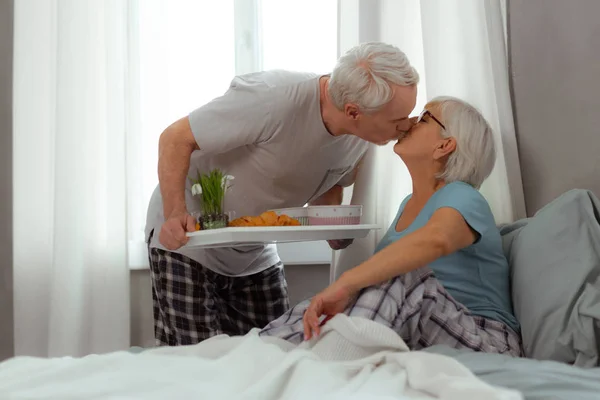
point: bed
(536, 380)
(351, 360)
(555, 274)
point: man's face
(390, 122)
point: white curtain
(96, 82)
(459, 48)
(71, 280)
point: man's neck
(329, 113)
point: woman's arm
(445, 233)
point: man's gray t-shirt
(266, 131)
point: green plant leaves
(214, 186)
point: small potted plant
(211, 189)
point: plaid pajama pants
(193, 303)
(421, 311)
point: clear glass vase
(213, 221)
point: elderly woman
(439, 275)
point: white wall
(6, 242)
(555, 65)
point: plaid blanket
(421, 311)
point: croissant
(268, 218)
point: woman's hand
(331, 301)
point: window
(184, 53)
(299, 35)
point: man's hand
(173, 232)
(340, 244)
(333, 197)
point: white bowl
(299, 213)
(335, 215)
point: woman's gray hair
(475, 155)
(364, 76)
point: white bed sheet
(352, 358)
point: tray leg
(332, 268)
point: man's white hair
(364, 76)
(475, 155)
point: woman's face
(424, 139)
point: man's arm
(175, 146)
(332, 197)
(236, 119)
(350, 178)
(335, 195)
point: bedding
(536, 380)
(352, 358)
(554, 258)
(555, 274)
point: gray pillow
(554, 258)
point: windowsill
(301, 253)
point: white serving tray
(248, 236)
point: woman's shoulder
(459, 187)
(405, 201)
(470, 203)
(462, 193)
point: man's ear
(351, 111)
(444, 148)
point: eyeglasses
(427, 112)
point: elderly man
(288, 139)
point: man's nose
(408, 125)
(412, 122)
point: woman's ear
(444, 148)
